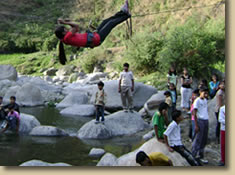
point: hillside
(29, 28)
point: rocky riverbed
(74, 99)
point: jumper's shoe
(102, 122)
(125, 110)
(96, 122)
(204, 161)
(125, 8)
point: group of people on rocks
(166, 120)
(9, 115)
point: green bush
(142, 52)
(194, 45)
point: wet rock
(47, 131)
(117, 124)
(74, 98)
(27, 123)
(107, 160)
(29, 95)
(41, 163)
(96, 152)
(79, 110)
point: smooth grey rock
(117, 124)
(153, 103)
(107, 160)
(96, 152)
(72, 99)
(79, 110)
(8, 72)
(29, 95)
(149, 135)
(10, 92)
(47, 131)
(27, 123)
(41, 163)
(150, 146)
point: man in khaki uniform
(126, 88)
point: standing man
(126, 88)
(201, 119)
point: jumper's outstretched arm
(74, 27)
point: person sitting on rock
(173, 141)
(160, 121)
(100, 100)
(88, 39)
(12, 121)
(153, 159)
(13, 102)
(2, 111)
(126, 88)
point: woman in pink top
(12, 120)
(88, 39)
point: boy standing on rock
(126, 88)
(100, 100)
(201, 119)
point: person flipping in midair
(88, 39)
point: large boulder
(47, 131)
(43, 85)
(72, 99)
(153, 103)
(151, 146)
(79, 110)
(140, 95)
(10, 92)
(8, 72)
(29, 95)
(117, 124)
(41, 163)
(108, 160)
(27, 123)
(96, 152)
(4, 86)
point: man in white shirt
(201, 117)
(126, 88)
(173, 141)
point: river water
(15, 149)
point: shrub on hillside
(194, 45)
